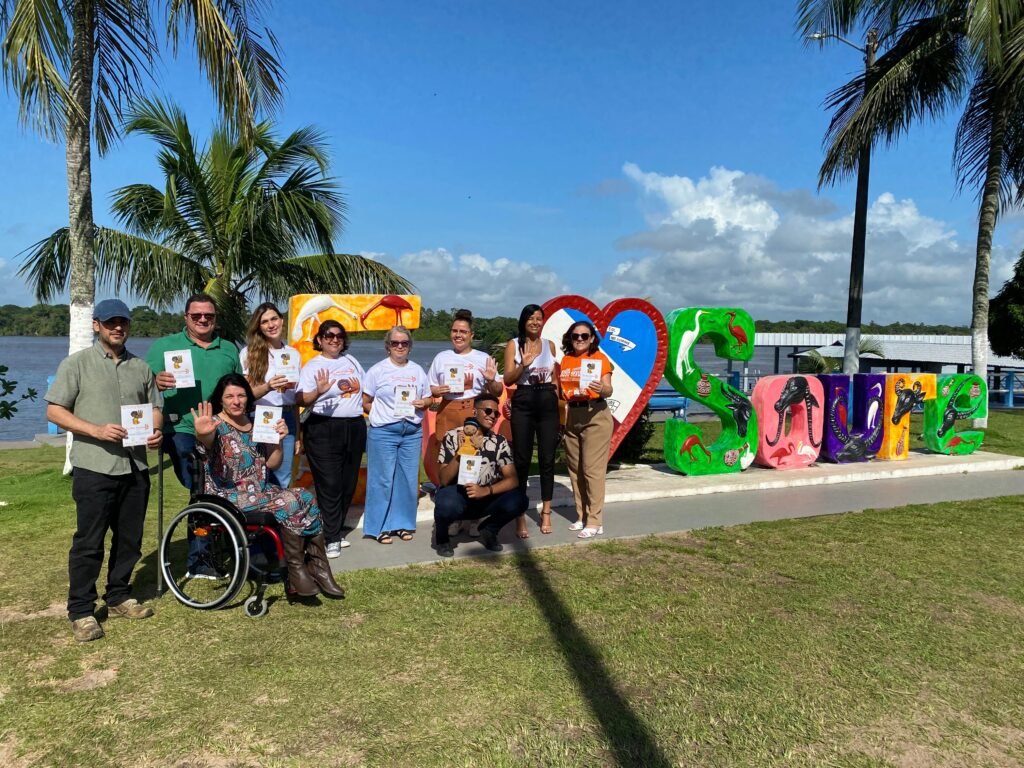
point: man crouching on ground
(110, 483)
(488, 486)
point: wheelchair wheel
(213, 539)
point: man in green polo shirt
(110, 482)
(212, 357)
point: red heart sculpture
(629, 369)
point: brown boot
(294, 554)
(319, 568)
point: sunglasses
(489, 411)
(581, 337)
(332, 337)
(399, 344)
(197, 316)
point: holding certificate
(272, 369)
(396, 393)
(178, 363)
(269, 427)
(137, 421)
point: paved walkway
(645, 500)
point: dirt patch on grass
(52, 611)
(1001, 605)
(933, 737)
(38, 665)
(87, 681)
(9, 757)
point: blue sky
(500, 153)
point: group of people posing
(346, 411)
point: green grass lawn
(882, 638)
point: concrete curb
(646, 482)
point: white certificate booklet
(469, 469)
(590, 370)
(138, 422)
(179, 362)
(455, 378)
(286, 363)
(264, 426)
(403, 401)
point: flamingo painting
(736, 331)
(311, 311)
(392, 302)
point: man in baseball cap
(110, 481)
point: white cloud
(734, 239)
(470, 280)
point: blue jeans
(392, 475)
(282, 476)
(179, 447)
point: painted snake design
(795, 391)
(855, 447)
(951, 414)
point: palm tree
(231, 220)
(73, 63)
(814, 362)
(940, 51)
(1006, 328)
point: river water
(31, 359)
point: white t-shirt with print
(334, 402)
(380, 383)
(474, 361)
(273, 397)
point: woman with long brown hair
(271, 368)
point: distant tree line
(52, 320)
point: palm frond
(326, 273)
(125, 46)
(36, 56)
(921, 76)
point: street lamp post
(851, 349)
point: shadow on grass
(632, 743)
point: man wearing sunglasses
(212, 357)
(496, 494)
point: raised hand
(491, 369)
(467, 381)
(204, 421)
(529, 357)
(323, 381)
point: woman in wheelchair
(237, 470)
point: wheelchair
(231, 547)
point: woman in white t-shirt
(397, 393)
(272, 369)
(334, 433)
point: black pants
(117, 502)
(535, 415)
(334, 449)
(452, 504)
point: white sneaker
(577, 526)
(344, 543)
(589, 533)
(334, 549)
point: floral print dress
(236, 470)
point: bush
(631, 449)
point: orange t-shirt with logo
(569, 378)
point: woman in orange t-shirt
(588, 423)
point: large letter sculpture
(960, 396)
(801, 397)
(845, 442)
(903, 393)
(686, 451)
(633, 337)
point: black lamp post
(851, 350)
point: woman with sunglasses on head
(264, 338)
(479, 374)
(588, 424)
(530, 365)
(396, 392)
(334, 434)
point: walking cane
(159, 519)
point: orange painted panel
(903, 393)
(356, 312)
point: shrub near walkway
(878, 638)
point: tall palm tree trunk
(82, 282)
(986, 227)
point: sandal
(589, 533)
(545, 522)
(384, 538)
(403, 534)
(577, 526)
(521, 530)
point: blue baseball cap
(110, 308)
